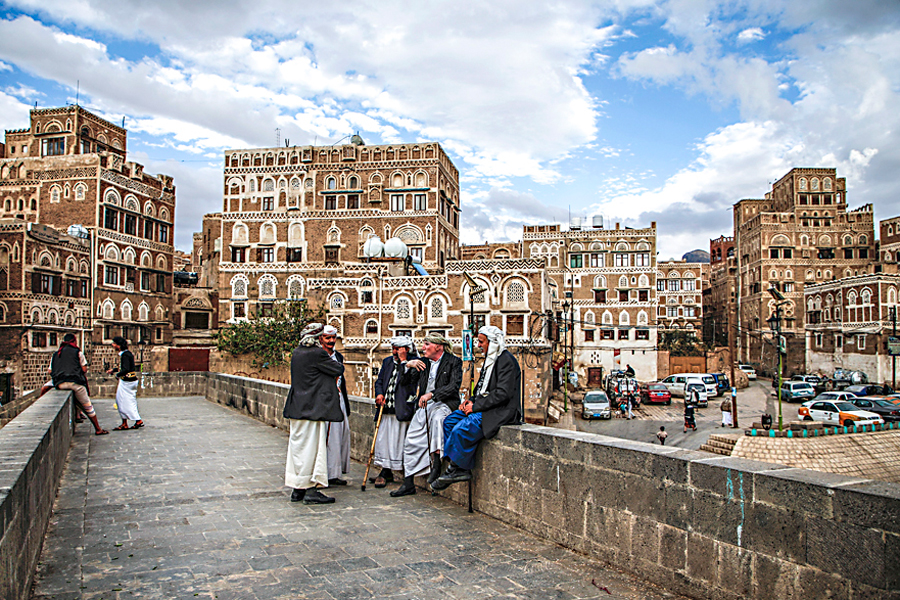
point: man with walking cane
(439, 377)
(395, 400)
(313, 403)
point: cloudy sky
(640, 111)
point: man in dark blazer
(313, 402)
(438, 377)
(495, 403)
(398, 404)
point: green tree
(270, 339)
(680, 342)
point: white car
(678, 382)
(749, 371)
(837, 412)
(595, 405)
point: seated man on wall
(495, 403)
(438, 377)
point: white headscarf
(402, 341)
(496, 346)
(329, 330)
(310, 335)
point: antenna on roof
(77, 91)
(277, 137)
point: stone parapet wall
(33, 447)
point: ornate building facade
(720, 298)
(602, 282)
(293, 226)
(679, 292)
(848, 323)
(70, 167)
(800, 234)
(45, 292)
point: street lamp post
(565, 345)
(775, 324)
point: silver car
(595, 406)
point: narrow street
(752, 403)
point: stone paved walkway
(193, 506)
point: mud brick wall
(33, 448)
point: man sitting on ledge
(496, 403)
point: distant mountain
(698, 256)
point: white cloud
(751, 34)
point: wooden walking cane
(372, 451)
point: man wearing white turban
(338, 433)
(397, 399)
(495, 403)
(313, 403)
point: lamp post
(565, 307)
(775, 325)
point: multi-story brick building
(720, 298)
(889, 246)
(70, 167)
(486, 251)
(293, 226)
(679, 292)
(603, 281)
(801, 233)
(45, 292)
(848, 322)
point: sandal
(137, 425)
(101, 432)
(121, 427)
(380, 482)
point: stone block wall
(33, 447)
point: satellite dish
(373, 247)
(395, 248)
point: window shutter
(35, 282)
(56, 285)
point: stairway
(721, 443)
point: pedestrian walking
(725, 407)
(126, 392)
(661, 435)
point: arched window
(126, 310)
(295, 288)
(624, 319)
(239, 287)
(109, 309)
(143, 312)
(266, 286)
(437, 308)
(402, 309)
(607, 318)
(331, 183)
(803, 184)
(863, 240)
(515, 293)
(55, 194)
(866, 296)
(642, 318)
(371, 328)
(336, 302)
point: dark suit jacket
(314, 392)
(500, 405)
(446, 383)
(404, 406)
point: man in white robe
(338, 433)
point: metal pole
(780, 364)
(731, 352)
(893, 357)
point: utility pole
(731, 351)
(894, 356)
(780, 362)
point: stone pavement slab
(194, 506)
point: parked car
(722, 383)
(797, 391)
(677, 383)
(869, 389)
(835, 397)
(817, 382)
(596, 406)
(837, 413)
(884, 409)
(655, 393)
(845, 377)
(749, 371)
(893, 399)
(701, 399)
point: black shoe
(435, 471)
(385, 474)
(453, 475)
(408, 488)
(314, 496)
(297, 495)
(337, 481)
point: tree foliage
(269, 339)
(680, 342)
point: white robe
(307, 455)
(416, 448)
(339, 446)
(389, 443)
(126, 400)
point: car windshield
(596, 398)
(883, 403)
(657, 387)
(709, 379)
(846, 406)
(695, 386)
(802, 386)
